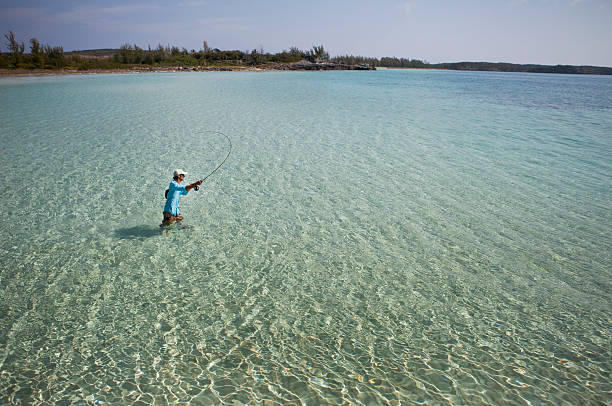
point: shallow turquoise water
(374, 237)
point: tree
(255, 58)
(205, 47)
(296, 53)
(125, 53)
(38, 59)
(318, 53)
(4, 62)
(148, 58)
(16, 49)
(55, 56)
(34, 46)
(160, 54)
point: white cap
(178, 172)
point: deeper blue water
(385, 237)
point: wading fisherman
(173, 195)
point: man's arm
(194, 184)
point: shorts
(169, 219)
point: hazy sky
(577, 32)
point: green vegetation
(39, 57)
(384, 62)
(511, 67)
(132, 56)
(387, 62)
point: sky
(551, 32)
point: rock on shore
(323, 65)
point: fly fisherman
(173, 195)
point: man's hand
(194, 185)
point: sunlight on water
(374, 238)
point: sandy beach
(37, 72)
(300, 66)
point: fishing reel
(196, 188)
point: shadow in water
(138, 232)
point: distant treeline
(128, 56)
(164, 55)
(385, 62)
(511, 67)
(47, 57)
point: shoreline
(174, 69)
(48, 72)
(276, 68)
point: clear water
(388, 237)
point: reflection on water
(374, 238)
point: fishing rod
(196, 188)
(222, 162)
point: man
(174, 193)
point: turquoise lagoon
(388, 237)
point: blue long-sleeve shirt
(175, 190)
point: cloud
(90, 15)
(193, 3)
(221, 20)
(22, 13)
(521, 2)
(86, 15)
(146, 19)
(224, 23)
(407, 7)
(132, 21)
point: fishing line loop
(225, 159)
